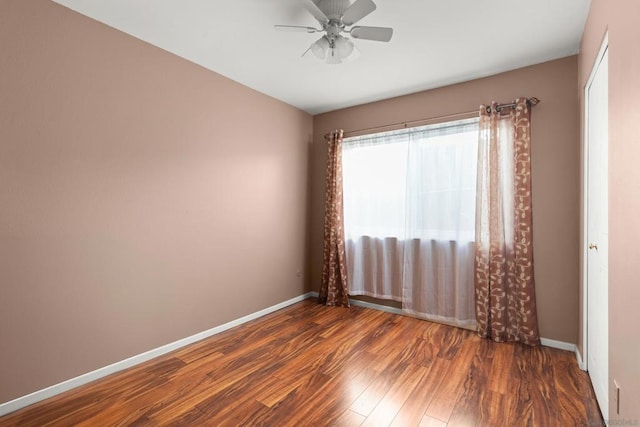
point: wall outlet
(616, 396)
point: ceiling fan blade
(380, 34)
(296, 28)
(315, 11)
(357, 11)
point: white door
(597, 115)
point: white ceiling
(435, 43)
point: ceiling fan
(337, 17)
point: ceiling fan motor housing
(333, 28)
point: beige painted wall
(620, 18)
(555, 164)
(143, 198)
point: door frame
(583, 360)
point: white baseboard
(56, 389)
(374, 306)
(544, 341)
(561, 345)
(581, 363)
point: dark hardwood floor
(315, 365)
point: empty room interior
(319, 212)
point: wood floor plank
(492, 410)
(314, 365)
(468, 408)
(571, 382)
(326, 317)
(247, 416)
(404, 384)
(536, 395)
(47, 412)
(280, 389)
(404, 347)
(419, 399)
(332, 359)
(395, 333)
(451, 340)
(374, 393)
(222, 406)
(500, 379)
(349, 419)
(322, 404)
(446, 396)
(299, 403)
(428, 421)
(359, 332)
(348, 385)
(185, 393)
(418, 351)
(207, 385)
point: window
(417, 183)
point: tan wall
(555, 153)
(620, 18)
(143, 198)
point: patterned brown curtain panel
(504, 285)
(334, 267)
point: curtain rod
(530, 101)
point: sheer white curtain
(409, 206)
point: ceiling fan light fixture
(344, 47)
(333, 56)
(320, 47)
